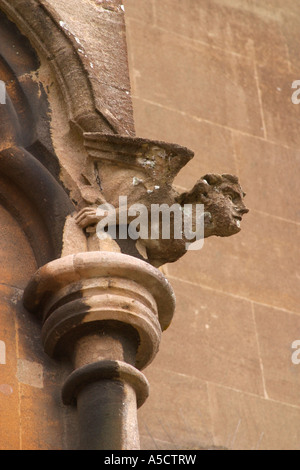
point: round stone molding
(106, 312)
(76, 294)
(105, 370)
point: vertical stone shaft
(103, 421)
(107, 406)
(106, 311)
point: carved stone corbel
(143, 171)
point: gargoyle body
(144, 171)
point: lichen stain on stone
(30, 373)
(136, 181)
(6, 389)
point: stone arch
(35, 199)
(30, 188)
(42, 26)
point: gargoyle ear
(181, 198)
(213, 179)
(194, 195)
(232, 178)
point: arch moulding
(39, 22)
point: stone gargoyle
(143, 171)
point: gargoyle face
(224, 207)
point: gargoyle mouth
(237, 219)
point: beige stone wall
(216, 76)
(30, 411)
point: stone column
(106, 312)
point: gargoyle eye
(230, 197)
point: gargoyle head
(224, 207)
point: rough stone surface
(143, 171)
(215, 76)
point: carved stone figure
(222, 197)
(143, 171)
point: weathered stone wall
(30, 406)
(216, 76)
